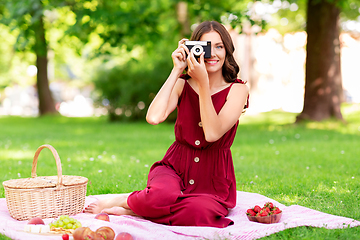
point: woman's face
(218, 52)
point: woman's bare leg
(118, 211)
(108, 203)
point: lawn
(315, 165)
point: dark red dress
(194, 184)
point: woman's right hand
(179, 55)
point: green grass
(315, 165)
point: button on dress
(194, 184)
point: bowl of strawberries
(266, 214)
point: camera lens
(197, 50)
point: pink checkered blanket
(293, 216)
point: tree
(46, 102)
(323, 83)
(117, 23)
(27, 17)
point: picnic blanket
(139, 228)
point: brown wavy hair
(230, 68)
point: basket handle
(57, 159)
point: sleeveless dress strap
(243, 82)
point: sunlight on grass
(290, 200)
(350, 125)
(334, 125)
(277, 116)
(331, 189)
(17, 154)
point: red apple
(36, 221)
(103, 216)
(124, 236)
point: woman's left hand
(197, 69)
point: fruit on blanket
(124, 236)
(107, 232)
(251, 212)
(103, 216)
(65, 236)
(36, 225)
(263, 213)
(276, 210)
(81, 232)
(36, 221)
(267, 214)
(66, 222)
(269, 205)
(268, 209)
(257, 208)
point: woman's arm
(166, 99)
(216, 125)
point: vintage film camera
(198, 47)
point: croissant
(102, 233)
(106, 232)
(82, 232)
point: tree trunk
(46, 102)
(323, 83)
(183, 18)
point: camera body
(198, 47)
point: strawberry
(250, 212)
(269, 205)
(257, 208)
(65, 236)
(263, 213)
(277, 210)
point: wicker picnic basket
(45, 197)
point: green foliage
(120, 23)
(150, 26)
(25, 16)
(13, 64)
(99, 30)
(127, 90)
(290, 18)
(350, 9)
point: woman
(194, 184)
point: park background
(104, 61)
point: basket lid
(44, 182)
